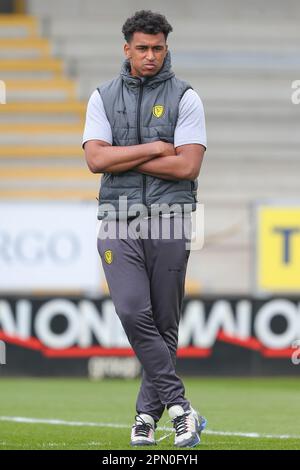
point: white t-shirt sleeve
(97, 126)
(190, 127)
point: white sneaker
(142, 433)
(188, 426)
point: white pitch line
(59, 422)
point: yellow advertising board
(278, 248)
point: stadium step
(30, 107)
(40, 151)
(46, 173)
(207, 10)
(38, 128)
(59, 89)
(41, 117)
(40, 134)
(21, 48)
(54, 193)
(18, 26)
(48, 64)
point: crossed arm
(158, 159)
(185, 164)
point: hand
(166, 149)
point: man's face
(146, 53)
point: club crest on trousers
(108, 256)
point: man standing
(145, 131)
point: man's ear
(127, 50)
(166, 52)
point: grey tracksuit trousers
(146, 275)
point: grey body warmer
(143, 110)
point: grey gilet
(142, 110)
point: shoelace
(169, 431)
(180, 424)
(142, 428)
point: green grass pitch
(268, 407)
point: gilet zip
(138, 128)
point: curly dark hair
(145, 21)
